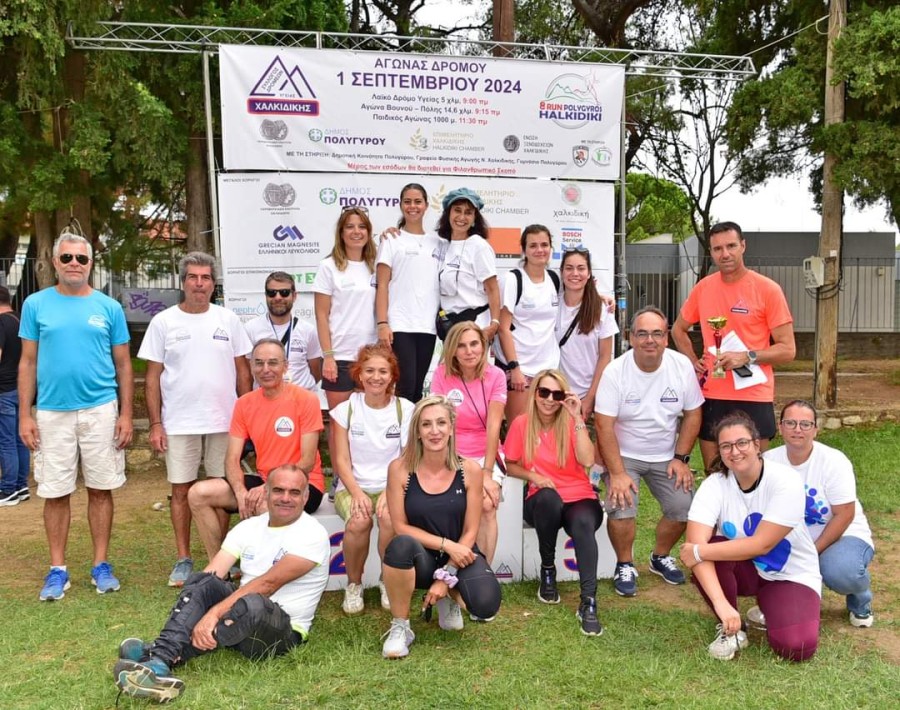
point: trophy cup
(717, 324)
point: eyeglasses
(271, 364)
(647, 334)
(580, 248)
(361, 208)
(740, 445)
(804, 424)
(82, 259)
(547, 393)
(283, 292)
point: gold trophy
(717, 324)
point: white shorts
(185, 451)
(88, 434)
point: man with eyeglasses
(301, 343)
(647, 416)
(283, 421)
(759, 333)
(75, 357)
(196, 369)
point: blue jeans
(15, 458)
(845, 570)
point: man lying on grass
(284, 566)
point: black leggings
(414, 352)
(581, 519)
(478, 586)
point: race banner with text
(286, 222)
(337, 110)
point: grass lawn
(652, 653)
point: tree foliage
(656, 206)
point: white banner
(286, 222)
(325, 109)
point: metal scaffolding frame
(205, 40)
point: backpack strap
(554, 277)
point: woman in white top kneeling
(370, 431)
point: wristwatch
(684, 458)
(751, 357)
(512, 365)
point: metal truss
(193, 39)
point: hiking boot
(625, 579)
(398, 639)
(587, 615)
(103, 578)
(353, 599)
(665, 567)
(756, 618)
(724, 647)
(449, 615)
(862, 621)
(183, 569)
(547, 592)
(147, 680)
(55, 585)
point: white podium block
(337, 575)
(508, 557)
(566, 566)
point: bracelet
(441, 551)
(381, 322)
(494, 320)
(443, 575)
(697, 553)
(153, 424)
(328, 353)
(580, 427)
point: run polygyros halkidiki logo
(572, 101)
(283, 91)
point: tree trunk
(197, 192)
(43, 240)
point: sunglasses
(283, 292)
(547, 393)
(82, 259)
(361, 208)
(580, 248)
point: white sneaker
(862, 622)
(449, 615)
(353, 599)
(385, 600)
(756, 618)
(399, 639)
(724, 647)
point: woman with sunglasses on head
(834, 517)
(468, 275)
(527, 322)
(584, 328)
(370, 431)
(548, 446)
(477, 390)
(345, 304)
(434, 498)
(762, 548)
(407, 298)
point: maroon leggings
(791, 609)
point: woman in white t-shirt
(584, 327)
(468, 275)
(345, 304)
(528, 320)
(834, 516)
(478, 391)
(370, 431)
(407, 299)
(762, 547)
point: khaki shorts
(85, 434)
(185, 451)
(343, 500)
(674, 502)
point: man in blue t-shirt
(75, 356)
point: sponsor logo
(455, 397)
(328, 195)
(282, 195)
(220, 334)
(511, 143)
(632, 398)
(273, 130)
(417, 141)
(282, 90)
(740, 307)
(602, 155)
(287, 231)
(572, 101)
(571, 193)
(504, 571)
(284, 427)
(580, 155)
(315, 135)
(669, 395)
(97, 321)
(393, 432)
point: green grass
(652, 654)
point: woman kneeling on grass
(434, 498)
(370, 431)
(549, 447)
(763, 548)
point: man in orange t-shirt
(283, 421)
(757, 314)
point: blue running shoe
(183, 569)
(134, 650)
(103, 578)
(140, 680)
(55, 585)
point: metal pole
(211, 161)
(622, 273)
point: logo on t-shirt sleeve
(284, 426)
